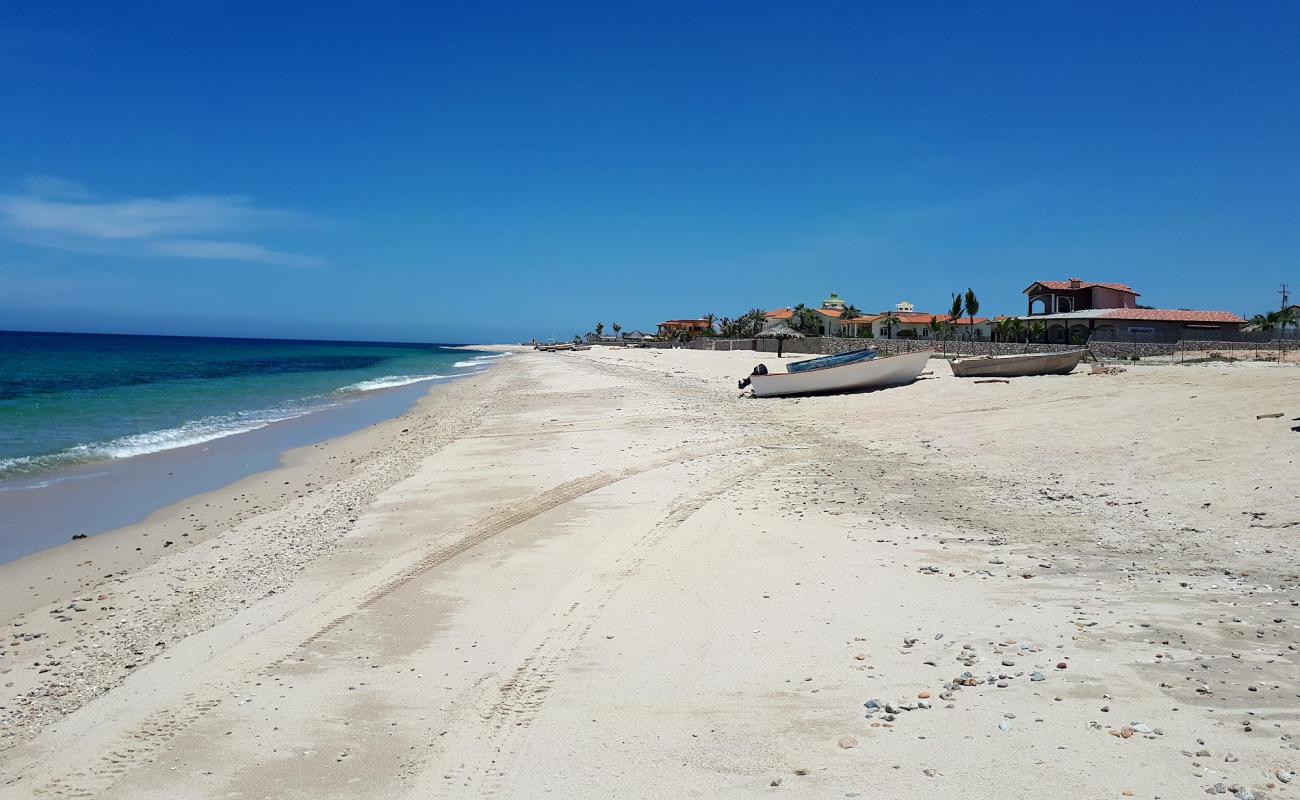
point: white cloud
(228, 251)
(64, 215)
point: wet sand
(601, 574)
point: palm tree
(890, 321)
(600, 329)
(1038, 330)
(801, 320)
(1002, 329)
(954, 311)
(1265, 322)
(710, 320)
(616, 327)
(850, 312)
(972, 308)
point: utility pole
(1285, 291)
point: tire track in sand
(508, 708)
(144, 741)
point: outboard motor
(761, 369)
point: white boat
(876, 373)
(1016, 366)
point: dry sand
(602, 574)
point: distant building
(1076, 310)
(694, 327)
(829, 317)
(1063, 297)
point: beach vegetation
(888, 323)
(805, 320)
(972, 306)
(1277, 321)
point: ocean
(73, 399)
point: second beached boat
(856, 376)
(1017, 366)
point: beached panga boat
(875, 373)
(831, 361)
(1017, 366)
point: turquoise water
(68, 399)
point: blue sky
(484, 171)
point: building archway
(1056, 333)
(1038, 305)
(1064, 305)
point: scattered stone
(848, 743)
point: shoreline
(67, 565)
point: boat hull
(859, 376)
(1017, 366)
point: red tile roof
(1065, 286)
(917, 317)
(780, 313)
(1170, 315)
(828, 312)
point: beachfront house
(1075, 310)
(691, 327)
(908, 323)
(829, 318)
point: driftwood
(994, 380)
(1268, 416)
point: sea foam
(388, 382)
(137, 444)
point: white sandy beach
(601, 574)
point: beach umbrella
(780, 331)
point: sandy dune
(602, 574)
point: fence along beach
(595, 573)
